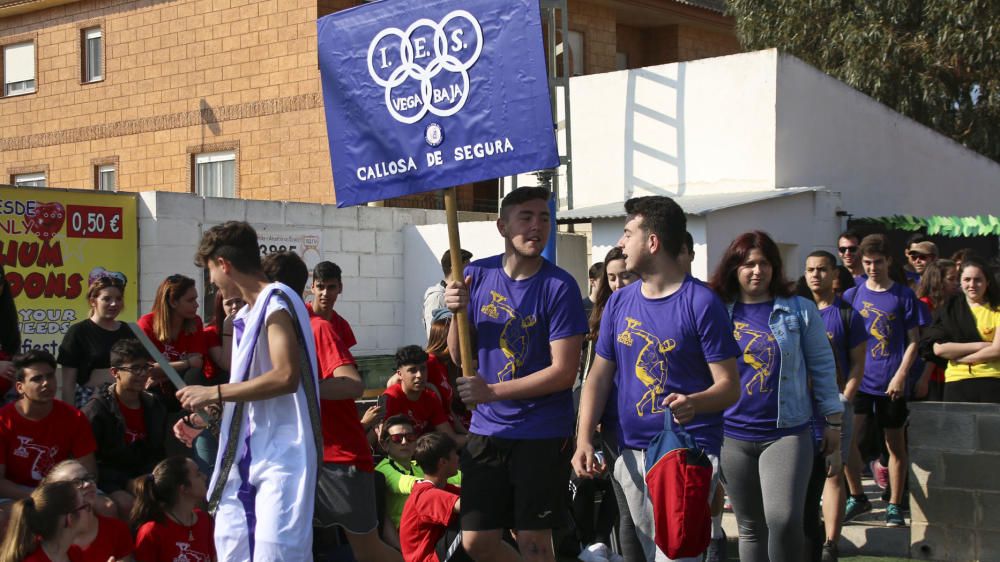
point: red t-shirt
(193, 342)
(426, 412)
(344, 440)
(437, 374)
(426, 515)
(341, 326)
(168, 540)
(212, 339)
(39, 556)
(29, 449)
(135, 423)
(114, 538)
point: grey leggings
(766, 482)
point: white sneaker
(597, 552)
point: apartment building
(222, 97)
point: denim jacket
(806, 361)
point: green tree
(935, 61)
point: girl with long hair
(219, 336)
(110, 538)
(85, 351)
(10, 335)
(966, 334)
(787, 364)
(176, 329)
(442, 372)
(167, 520)
(938, 284)
(44, 526)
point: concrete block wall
(366, 242)
(954, 481)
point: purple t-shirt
(754, 417)
(843, 341)
(888, 315)
(514, 323)
(662, 346)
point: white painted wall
(704, 126)
(883, 163)
(607, 232)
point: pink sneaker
(880, 473)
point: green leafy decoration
(981, 225)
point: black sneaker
(856, 505)
(830, 553)
(716, 549)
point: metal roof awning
(698, 205)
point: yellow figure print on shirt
(513, 337)
(650, 366)
(881, 328)
(759, 352)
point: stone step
(866, 535)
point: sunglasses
(847, 249)
(919, 256)
(398, 438)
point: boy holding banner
(528, 324)
(265, 478)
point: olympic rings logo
(444, 60)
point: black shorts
(515, 484)
(889, 414)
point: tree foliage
(935, 61)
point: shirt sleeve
(124, 545)
(146, 548)
(395, 480)
(71, 348)
(567, 318)
(605, 346)
(912, 317)
(331, 352)
(393, 404)
(715, 328)
(857, 334)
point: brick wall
(597, 24)
(181, 77)
(955, 481)
(698, 43)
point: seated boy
(429, 530)
(129, 423)
(412, 397)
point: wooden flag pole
(462, 314)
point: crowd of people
(793, 388)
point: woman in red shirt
(44, 526)
(110, 538)
(169, 525)
(176, 330)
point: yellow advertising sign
(52, 243)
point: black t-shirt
(87, 346)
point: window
(621, 61)
(93, 53)
(106, 177)
(19, 69)
(35, 179)
(215, 174)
